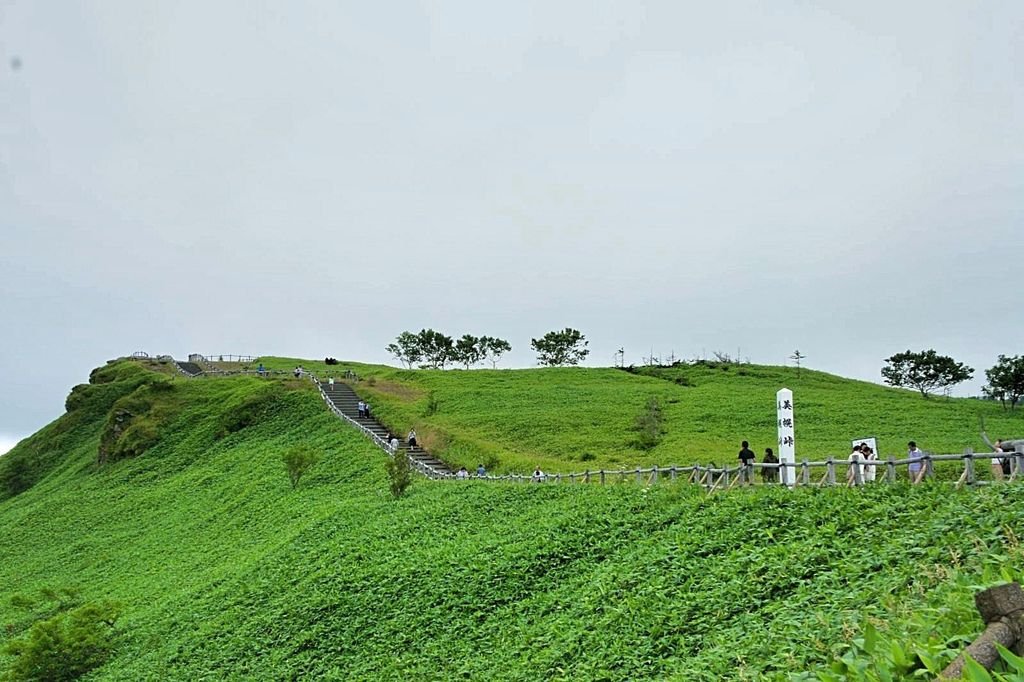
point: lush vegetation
(216, 567)
(571, 419)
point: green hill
(571, 419)
(224, 571)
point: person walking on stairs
(412, 438)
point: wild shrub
(16, 474)
(649, 425)
(251, 410)
(399, 471)
(65, 645)
(297, 461)
(432, 406)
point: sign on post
(787, 439)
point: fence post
(890, 469)
(807, 471)
(858, 473)
(1019, 458)
(672, 473)
(654, 474)
(602, 476)
(929, 468)
(586, 476)
(831, 471)
(969, 465)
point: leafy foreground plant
(66, 645)
(930, 638)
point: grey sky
(311, 179)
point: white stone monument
(787, 440)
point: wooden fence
(822, 473)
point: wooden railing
(822, 473)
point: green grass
(226, 572)
(571, 419)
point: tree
(491, 349)
(567, 347)
(399, 471)
(436, 349)
(297, 461)
(925, 371)
(406, 349)
(1006, 380)
(468, 351)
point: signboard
(870, 442)
(787, 438)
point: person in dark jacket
(746, 458)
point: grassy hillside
(224, 571)
(571, 419)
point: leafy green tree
(567, 347)
(399, 471)
(925, 371)
(491, 349)
(468, 351)
(297, 461)
(1006, 380)
(406, 349)
(437, 349)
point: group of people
(463, 473)
(862, 459)
(363, 409)
(769, 474)
(393, 439)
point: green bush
(66, 645)
(297, 461)
(252, 410)
(399, 471)
(650, 425)
(16, 476)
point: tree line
(430, 349)
(927, 371)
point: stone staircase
(189, 368)
(346, 401)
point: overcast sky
(311, 179)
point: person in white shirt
(538, 475)
(870, 457)
(462, 474)
(916, 467)
(997, 462)
(855, 459)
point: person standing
(769, 466)
(916, 466)
(870, 457)
(854, 472)
(412, 438)
(746, 458)
(481, 472)
(538, 475)
(361, 407)
(997, 461)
